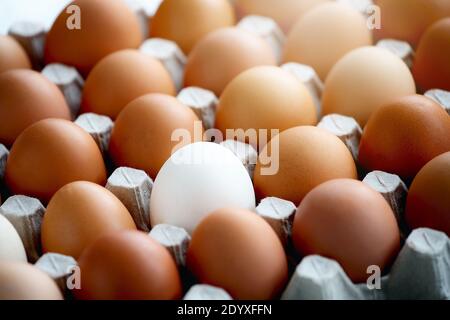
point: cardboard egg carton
(203, 102)
(4, 153)
(401, 49)
(99, 127)
(442, 97)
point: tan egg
(222, 55)
(186, 22)
(11, 245)
(128, 265)
(264, 98)
(347, 221)
(12, 55)
(50, 154)
(363, 80)
(238, 251)
(78, 214)
(22, 281)
(122, 77)
(431, 67)
(324, 35)
(403, 135)
(103, 28)
(142, 135)
(25, 98)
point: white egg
(196, 180)
(11, 246)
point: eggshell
(12, 55)
(128, 265)
(22, 281)
(324, 35)
(363, 80)
(307, 157)
(403, 135)
(186, 22)
(105, 27)
(11, 246)
(238, 251)
(25, 98)
(122, 77)
(222, 55)
(347, 221)
(431, 67)
(142, 135)
(50, 154)
(428, 202)
(196, 180)
(78, 214)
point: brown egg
(12, 55)
(22, 281)
(347, 221)
(122, 77)
(363, 80)
(307, 157)
(50, 154)
(104, 27)
(222, 55)
(403, 135)
(265, 98)
(128, 265)
(431, 67)
(142, 135)
(324, 35)
(428, 203)
(237, 250)
(25, 98)
(78, 214)
(407, 20)
(186, 22)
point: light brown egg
(25, 98)
(186, 22)
(237, 250)
(11, 245)
(307, 157)
(431, 67)
(403, 135)
(222, 55)
(407, 20)
(22, 281)
(128, 265)
(104, 27)
(122, 77)
(264, 98)
(324, 35)
(363, 80)
(347, 221)
(142, 135)
(50, 154)
(78, 214)
(12, 55)
(428, 203)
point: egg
(88, 30)
(238, 251)
(431, 67)
(122, 77)
(22, 281)
(142, 136)
(12, 55)
(222, 55)
(324, 35)
(196, 180)
(25, 98)
(186, 22)
(307, 157)
(428, 202)
(11, 246)
(50, 154)
(363, 80)
(347, 221)
(78, 214)
(403, 135)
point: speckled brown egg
(12, 55)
